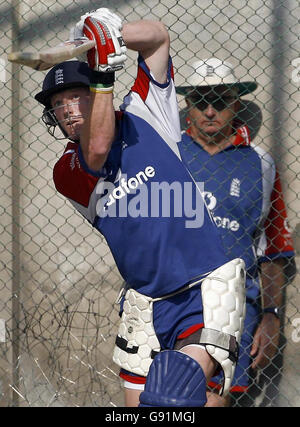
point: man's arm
(273, 275)
(266, 338)
(151, 40)
(272, 281)
(98, 131)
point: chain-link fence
(58, 280)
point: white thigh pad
(136, 343)
(224, 308)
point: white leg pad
(136, 342)
(224, 308)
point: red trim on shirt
(190, 331)
(70, 179)
(172, 72)
(278, 236)
(141, 84)
(235, 388)
(135, 379)
(242, 136)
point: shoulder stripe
(268, 177)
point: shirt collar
(242, 136)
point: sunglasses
(219, 103)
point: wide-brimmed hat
(213, 72)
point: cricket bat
(47, 58)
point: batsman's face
(71, 108)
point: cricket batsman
(183, 308)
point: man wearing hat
(242, 190)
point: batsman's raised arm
(98, 130)
(151, 40)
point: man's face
(71, 108)
(212, 110)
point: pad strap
(222, 340)
(101, 77)
(122, 343)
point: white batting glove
(104, 28)
(102, 14)
(105, 15)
